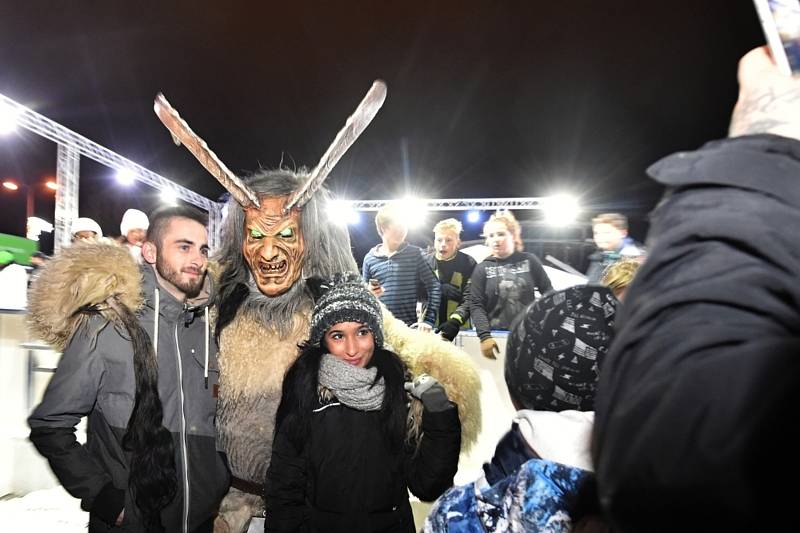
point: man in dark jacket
(453, 268)
(150, 460)
(700, 386)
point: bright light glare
(125, 176)
(10, 185)
(52, 185)
(8, 118)
(473, 217)
(414, 210)
(341, 212)
(169, 197)
(560, 209)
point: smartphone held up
(780, 20)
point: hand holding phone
(780, 20)
(375, 287)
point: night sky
(486, 99)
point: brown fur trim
(80, 276)
(425, 353)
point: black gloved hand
(430, 392)
(451, 292)
(449, 329)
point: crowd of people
(653, 398)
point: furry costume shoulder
(429, 354)
(80, 277)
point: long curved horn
(355, 125)
(182, 133)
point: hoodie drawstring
(205, 371)
(155, 334)
(155, 323)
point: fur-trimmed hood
(86, 279)
(81, 278)
(424, 353)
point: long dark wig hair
(300, 396)
(153, 479)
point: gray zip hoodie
(95, 378)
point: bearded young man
(139, 361)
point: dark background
(486, 99)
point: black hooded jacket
(698, 393)
(346, 478)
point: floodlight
(125, 176)
(473, 217)
(169, 197)
(414, 211)
(9, 118)
(341, 212)
(560, 209)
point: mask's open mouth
(273, 269)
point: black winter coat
(699, 390)
(346, 478)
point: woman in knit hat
(348, 444)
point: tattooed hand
(769, 102)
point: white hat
(85, 224)
(133, 219)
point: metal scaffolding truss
(455, 204)
(71, 146)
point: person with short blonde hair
(504, 283)
(619, 275)
(449, 224)
(454, 269)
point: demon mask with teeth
(280, 234)
(273, 245)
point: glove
(489, 348)
(451, 292)
(449, 329)
(430, 392)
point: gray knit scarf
(352, 385)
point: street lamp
(29, 193)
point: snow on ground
(43, 510)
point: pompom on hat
(343, 298)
